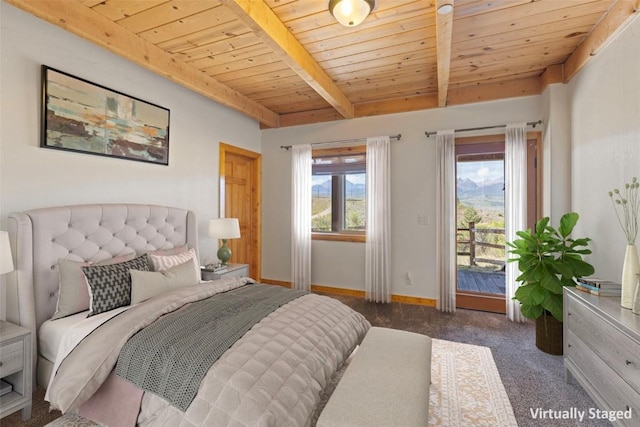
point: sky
(481, 171)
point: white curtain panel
(515, 209)
(446, 220)
(301, 217)
(378, 245)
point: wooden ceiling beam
(493, 91)
(398, 105)
(620, 14)
(552, 74)
(258, 16)
(90, 25)
(444, 30)
(458, 95)
(308, 117)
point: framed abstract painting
(81, 116)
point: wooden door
(240, 197)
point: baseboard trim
(276, 282)
(337, 291)
(403, 299)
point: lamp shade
(6, 260)
(351, 12)
(224, 228)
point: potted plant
(548, 260)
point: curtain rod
(534, 124)
(344, 141)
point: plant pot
(549, 334)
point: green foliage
(355, 220)
(321, 223)
(470, 215)
(548, 259)
(355, 214)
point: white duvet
(272, 376)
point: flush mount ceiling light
(351, 12)
(445, 8)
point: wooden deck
(480, 281)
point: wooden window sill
(338, 237)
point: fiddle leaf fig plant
(548, 260)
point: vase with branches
(626, 203)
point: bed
(279, 348)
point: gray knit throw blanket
(171, 356)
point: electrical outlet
(423, 220)
(409, 278)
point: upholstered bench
(386, 383)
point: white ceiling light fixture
(351, 12)
(445, 8)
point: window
(338, 210)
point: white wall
(605, 123)
(34, 177)
(413, 163)
(556, 155)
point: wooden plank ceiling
(288, 62)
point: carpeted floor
(533, 379)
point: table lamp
(224, 229)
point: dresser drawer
(11, 358)
(617, 350)
(238, 272)
(611, 388)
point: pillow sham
(110, 285)
(161, 263)
(73, 290)
(165, 252)
(148, 284)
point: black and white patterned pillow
(110, 285)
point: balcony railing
(475, 242)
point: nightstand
(15, 369)
(232, 270)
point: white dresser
(602, 351)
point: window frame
(337, 185)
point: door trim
(256, 186)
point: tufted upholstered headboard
(40, 237)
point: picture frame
(85, 117)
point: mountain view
(357, 191)
(482, 195)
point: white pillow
(147, 284)
(165, 262)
